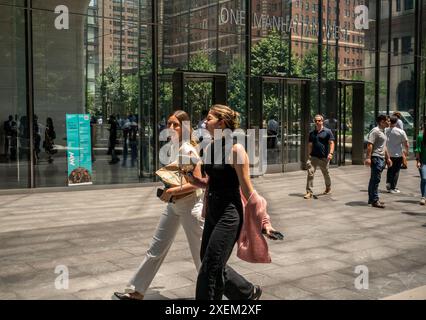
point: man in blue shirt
(320, 150)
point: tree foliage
(198, 94)
(237, 87)
(270, 56)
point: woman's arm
(186, 188)
(196, 178)
(241, 165)
(240, 162)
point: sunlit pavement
(100, 236)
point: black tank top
(222, 176)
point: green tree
(198, 95)
(309, 65)
(270, 56)
(110, 90)
(237, 87)
(131, 93)
(309, 69)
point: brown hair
(397, 114)
(183, 116)
(225, 113)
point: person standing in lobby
(376, 158)
(396, 140)
(320, 151)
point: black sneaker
(257, 292)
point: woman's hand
(418, 164)
(166, 196)
(271, 233)
(269, 230)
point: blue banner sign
(79, 155)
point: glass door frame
(357, 117)
(219, 80)
(257, 112)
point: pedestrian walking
(224, 208)
(320, 151)
(397, 146)
(376, 158)
(49, 139)
(400, 125)
(184, 207)
(113, 138)
(421, 162)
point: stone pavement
(102, 235)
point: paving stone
(98, 268)
(383, 287)
(343, 294)
(103, 241)
(287, 292)
(319, 284)
(371, 254)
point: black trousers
(222, 227)
(393, 172)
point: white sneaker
(394, 191)
(423, 201)
(397, 190)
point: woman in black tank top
(227, 171)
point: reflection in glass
(14, 133)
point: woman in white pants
(186, 210)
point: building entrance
(345, 117)
(280, 105)
(196, 92)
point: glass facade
(128, 64)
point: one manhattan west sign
(291, 25)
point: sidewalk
(102, 235)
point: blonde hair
(225, 113)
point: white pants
(186, 211)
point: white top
(396, 139)
(400, 124)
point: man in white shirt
(396, 140)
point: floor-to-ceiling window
(14, 131)
(117, 61)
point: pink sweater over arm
(252, 245)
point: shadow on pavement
(422, 214)
(408, 201)
(357, 204)
(299, 195)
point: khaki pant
(312, 165)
